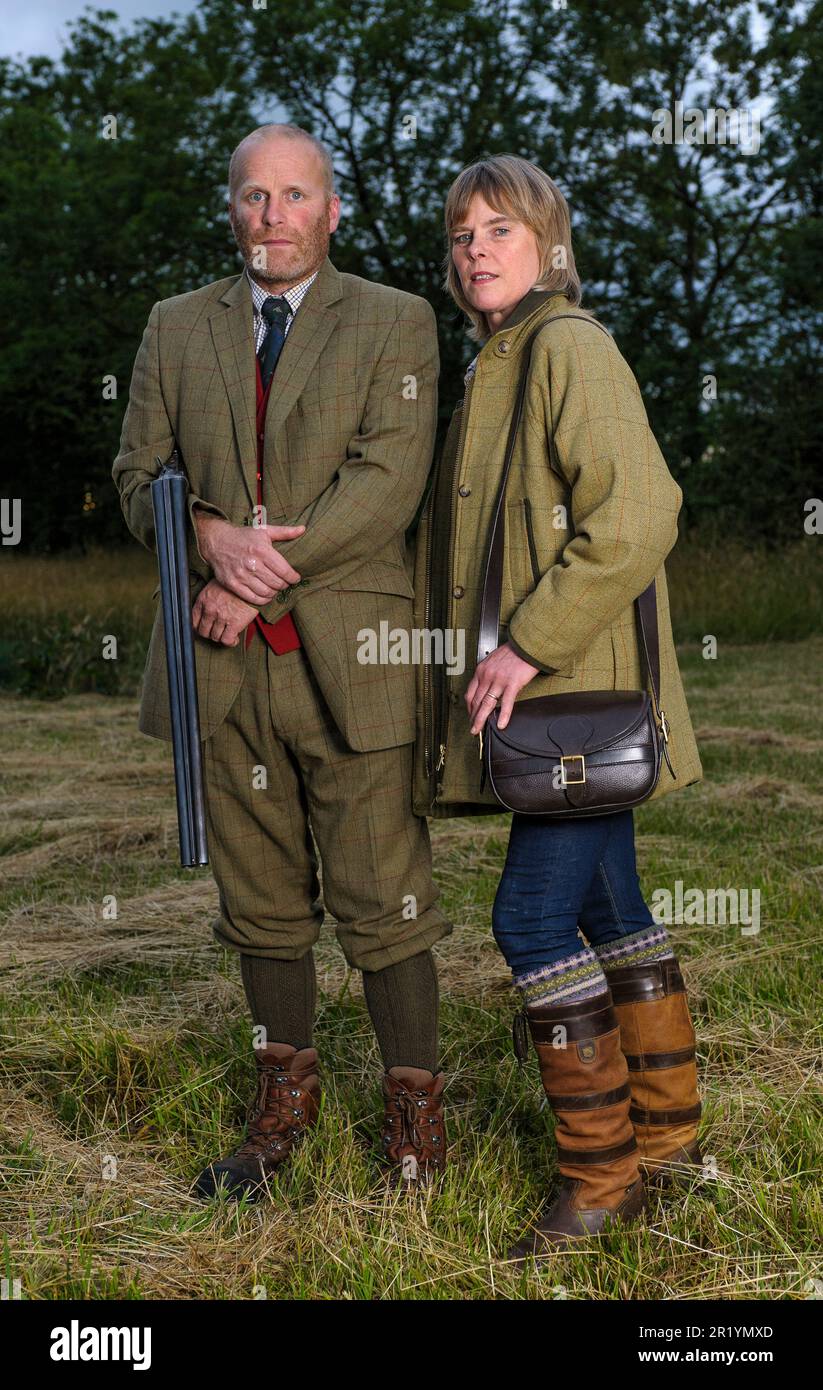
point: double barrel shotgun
(168, 496)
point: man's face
(279, 211)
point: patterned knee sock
(282, 996)
(565, 981)
(403, 1003)
(638, 948)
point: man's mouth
(482, 277)
(279, 241)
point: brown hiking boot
(586, 1080)
(287, 1102)
(658, 1041)
(414, 1137)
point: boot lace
(276, 1116)
(410, 1127)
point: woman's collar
(532, 300)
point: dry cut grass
(125, 1058)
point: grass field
(125, 1065)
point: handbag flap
(594, 718)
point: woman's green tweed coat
(591, 514)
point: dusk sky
(40, 26)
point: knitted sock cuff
(564, 981)
(638, 948)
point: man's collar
(293, 294)
(327, 288)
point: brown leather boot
(658, 1041)
(586, 1080)
(287, 1102)
(414, 1136)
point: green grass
(129, 1038)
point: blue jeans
(561, 875)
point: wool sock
(282, 996)
(403, 1002)
(564, 981)
(638, 948)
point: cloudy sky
(39, 26)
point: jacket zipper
(439, 705)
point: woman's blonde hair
(515, 187)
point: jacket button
(458, 591)
(463, 490)
(453, 696)
(504, 346)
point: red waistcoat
(281, 636)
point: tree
(697, 256)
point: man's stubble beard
(311, 249)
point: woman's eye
(465, 236)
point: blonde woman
(591, 514)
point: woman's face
(496, 258)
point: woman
(591, 513)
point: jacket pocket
(529, 569)
(527, 508)
(378, 577)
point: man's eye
(255, 195)
(295, 193)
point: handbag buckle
(567, 781)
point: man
(303, 402)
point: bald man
(304, 403)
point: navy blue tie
(275, 311)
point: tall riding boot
(658, 1041)
(586, 1080)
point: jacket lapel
(231, 330)
(313, 324)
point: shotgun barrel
(168, 495)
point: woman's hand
(501, 675)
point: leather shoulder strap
(489, 631)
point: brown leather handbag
(583, 754)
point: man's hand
(502, 674)
(220, 615)
(243, 558)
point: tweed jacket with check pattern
(348, 447)
(591, 514)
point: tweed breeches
(289, 804)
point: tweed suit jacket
(349, 436)
(590, 516)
